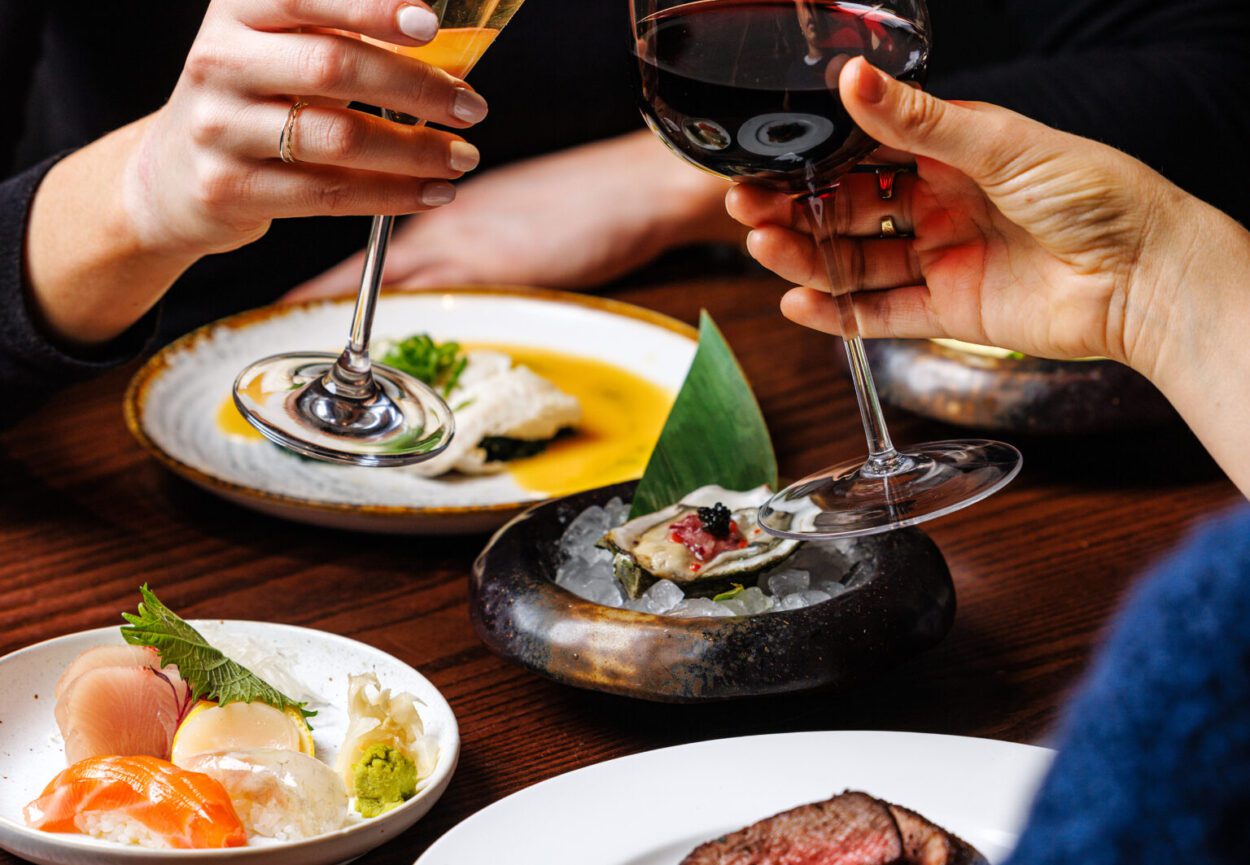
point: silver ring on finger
(286, 151)
(889, 228)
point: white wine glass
(345, 408)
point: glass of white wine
(344, 408)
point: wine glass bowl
(748, 90)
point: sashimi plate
(980, 789)
(175, 405)
(32, 753)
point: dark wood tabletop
(86, 517)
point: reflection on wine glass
(343, 408)
(748, 89)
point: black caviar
(715, 520)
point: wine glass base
(289, 399)
(930, 481)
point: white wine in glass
(344, 408)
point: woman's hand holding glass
(1029, 239)
(203, 174)
(207, 173)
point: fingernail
(752, 239)
(438, 194)
(416, 22)
(872, 85)
(464, 156)
(468, 106)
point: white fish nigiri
(120, 708)
(278, 794)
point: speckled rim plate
(654, 808)
(547, 319)
(31, 752)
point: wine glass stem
(883, 460)
(352, 373)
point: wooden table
(85, 517)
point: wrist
(692, 201)
(1185, 307)
(91, 274)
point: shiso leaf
(715, 433)
(209, 673)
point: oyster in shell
(677, 544)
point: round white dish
(32, 753)
(654, 808)
(173, 401)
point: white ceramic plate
(654, 808)
(32, 753)
(173, 401)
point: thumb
(983, 141)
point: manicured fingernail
(753, 239)
(464, 156)
(468, 106)
(438, 194)
(872, 84)
(416, 22)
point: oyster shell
(644, 550)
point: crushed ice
(816, 572)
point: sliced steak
(925, 843)
(850, 829)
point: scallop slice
(239, 727)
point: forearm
(689, 203)
(1196, 326)
(89, 274)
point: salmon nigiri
(118, 700)
(138, 800)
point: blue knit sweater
(1154, 761)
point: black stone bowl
(1023, 395)
(901, 602)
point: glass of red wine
(748, 89)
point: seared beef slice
(851, 829)
(925, 843)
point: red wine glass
(748, 89)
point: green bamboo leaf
(715, 433)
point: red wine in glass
(748, 89)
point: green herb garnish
(208, 672)
(438, 364)
(729, 595)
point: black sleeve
(1167, 82)
(30, 364)
(21, 24)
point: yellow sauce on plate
(232, 423)
(622, 415)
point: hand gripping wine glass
(747, 89)
(344, 408)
